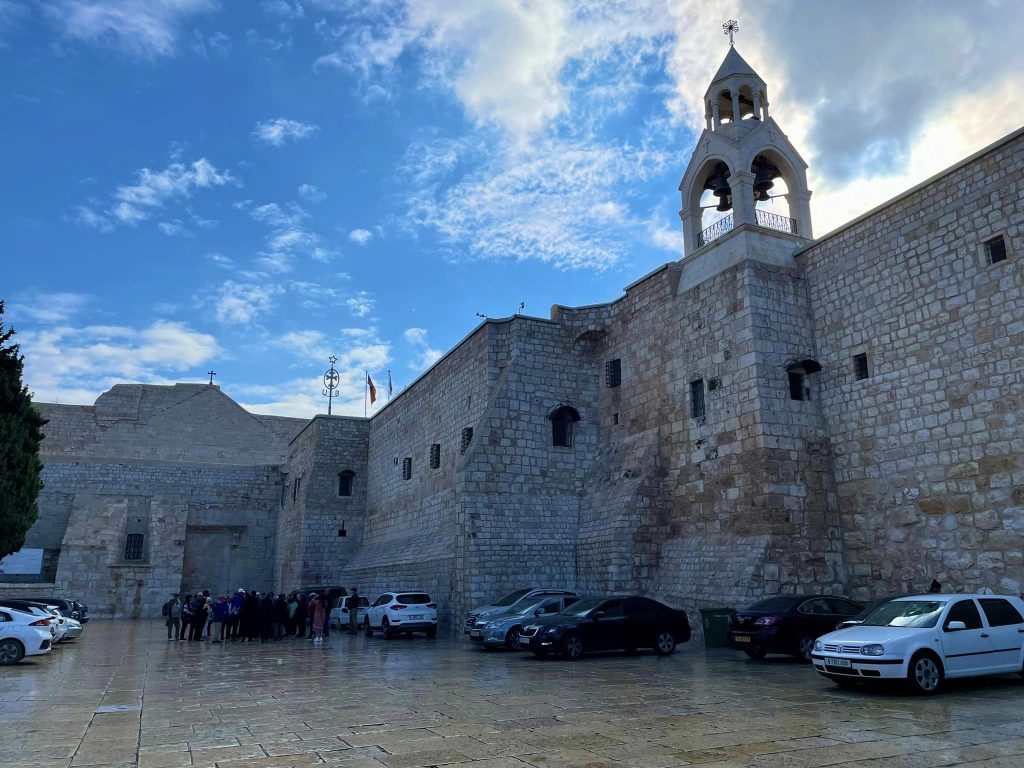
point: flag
(373, 389)
(391, 387)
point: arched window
(346, 479)
(563, 420)
(797, 372)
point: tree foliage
(21, 434)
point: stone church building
(772, 413)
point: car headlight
(817, 645)
(491, 625)
(875, 649)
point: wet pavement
(123, 696)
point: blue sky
(252, 186)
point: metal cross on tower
(212, 374)
(331, 381)
(730, 28)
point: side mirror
(599, 615)
(955, 626)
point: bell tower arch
(745, 176)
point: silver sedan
(502, 629)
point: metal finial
(730, 28)
(212, 374)
(331, 381)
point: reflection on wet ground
(124, 696)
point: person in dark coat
(280, 616)
(186, 616)
(198, 622)
(250, 616)
(300, 615)
(266, 617)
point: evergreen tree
(20, 436)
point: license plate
(524, 641)
(837, 663)
(477, 633)
(741, 638)
(416, 617)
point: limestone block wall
(929, 449)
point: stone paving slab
(358, 702)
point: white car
(401, 611)
(340, 617)
(22, 634)
(924, 639)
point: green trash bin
(716, 626)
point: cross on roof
(730, 28)
(212, 374)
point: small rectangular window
(615, 418)
(284, 489)
(797, 390)
(697, 410)
(295, 488)
(133, 546)
(995, 250)
(345, 483)
(860, 366)
(467, 438)
(435, 455)
(613, 372)
(407, 468)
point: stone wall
(929, 449)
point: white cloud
(426, 355)
(215, 44)
(288, 237)
(221, 260)
(46, 307)
(280, 130)
(146, 29)
(243, 303)
(360, 236)
(361, 304)
(312, 193)
(174, 228)
(283, 9)
(97, 357)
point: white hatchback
(401, 611)
(22, 634)
(925, 639)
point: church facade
(772, 413)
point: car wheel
(512, 639)
(757, 654)
(804, 648)
(385, 628)
(367, 629)
(11, 652)
(432, 632)
(925, 674)
(572, 646)
(664, 643)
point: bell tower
(745, 181)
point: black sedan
(605, 624)
(788, 624)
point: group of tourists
(251, 616)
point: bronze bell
(763, 179)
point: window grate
(435, 455)
(613, 373)
(133, 546)
(407, 468)
(995, 250)
(467, 438)
(697, 408)
(860, 367)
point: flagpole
(366, 388)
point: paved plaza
(123, 696)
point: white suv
(401, 611)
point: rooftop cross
(212, 374)
(730, 28)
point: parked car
(38, 612)
(868, 609)
(73, 629)
(925, 639)
(340, 617)
(788, 624)
(508, 601)
(607, 623)
(502, 629)
(60, 624)
(73, 609)
(401, 611)
(22, 634)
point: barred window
(133, 546)
(407, 468)
(467, 438)
(435, 455)
(345, 482)
(613, 372)
(697, 408)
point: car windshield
(583, 607)
(511, 598)
(414, 599)
(906, 613)
(772, 604)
